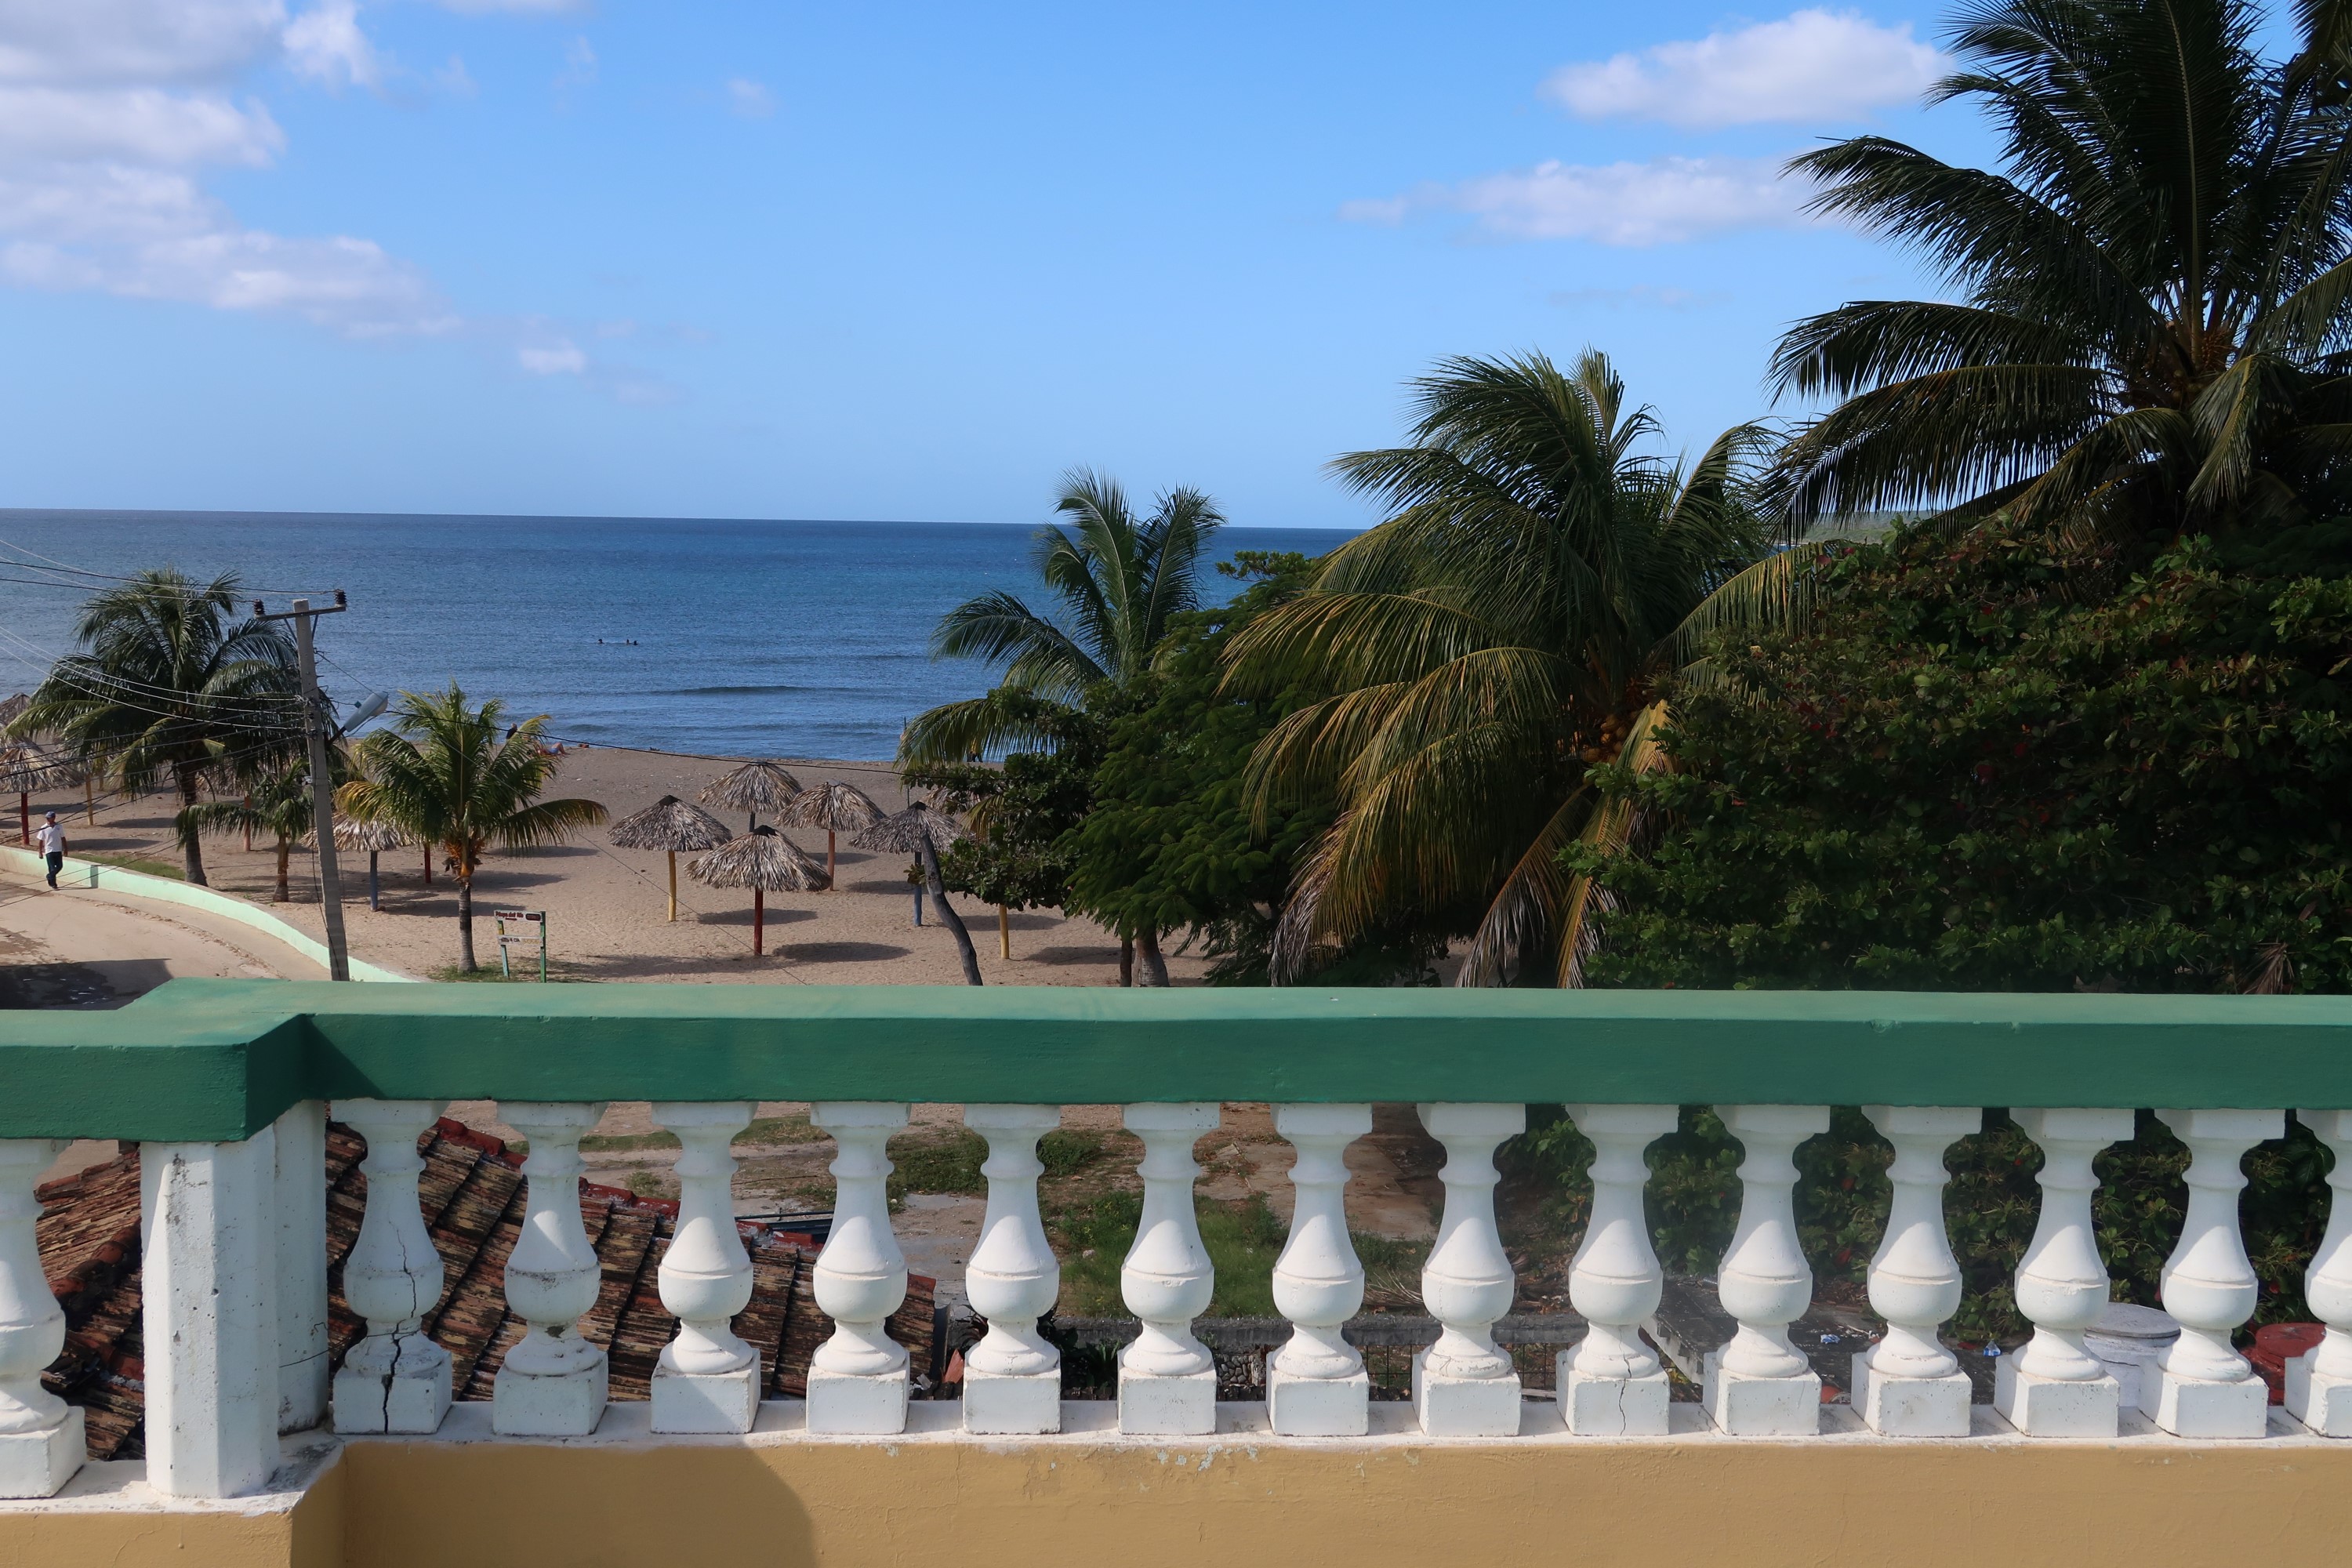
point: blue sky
(782, 259)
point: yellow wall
(389, 1505)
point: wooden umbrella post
(25, 816)
(375, 883)
(89, 799)
(1004, 931)
(759, 922)
(828, 861)
(673, 887)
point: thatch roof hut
(836, 807)
(10, 707)
(27, 765)
(765, 861)
(754, 788)
(671, 825)
(375, 837)
(923, 832)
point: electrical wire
(53, 565)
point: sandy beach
(605, 906)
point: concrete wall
(867, 1504)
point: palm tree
(2148, 331)
(1505, 629)
(1120, 579)
(279, 804)
(168, 686)
(442, 774)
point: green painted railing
(218, 1059)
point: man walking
(52, 840)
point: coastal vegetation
(443, 776)
(169, 687)
(279, 804)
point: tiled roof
(472, 1194)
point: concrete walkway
(79, 948)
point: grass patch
(557, 975)
(646, 1184)
(139, 863)
(1243, 1241)
(606, 1142)
(929, 1162)
(1067, 1151)
(779, 1130)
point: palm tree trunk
(947, 913)
(1127, 961)
(465, 923)
(192, 856)
(428, 864)
(1153, 968)
(284, 848)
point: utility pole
(322, 802)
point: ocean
(730, 638)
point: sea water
(730, 638)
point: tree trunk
(465, 923)
(953, 921)
(428, 864)
(285, 849)
(828, 861)
(759, 921)
(1152, 968)
(192, 856)
(1127, 961)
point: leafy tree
(1466, 661)
(1020, 814)
(441, 774)
(2148, 331)
(1965, 777)
(1169, 843)
(279, 804)
(169, 686)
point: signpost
(522, 918)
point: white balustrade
(554, 1381)
(299, 1199)
(395, 1379)
(1613, 1384)
(859, 1380)
(2319, 1381)
(2056, 1387)
(41, 1440)
(1908, 1384)
(1759, 1385)
(1166, 1378)
(208, 1313)
(707, 1379)
(1315, 1386)
(1012, 1377)
(1465, 1385)
(2205, 1388)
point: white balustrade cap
(2126, 1320)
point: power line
(53, 564)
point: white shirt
(52, 838)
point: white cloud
(563, 359)
(1661, 202)
(1813, 64)
(153, 41)
(749, 98)
(325, 45)
(140, 125)
(579, 65)
(455, 79)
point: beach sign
(525, 918)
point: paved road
(77, 948)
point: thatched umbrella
(375, 837)
(672, 824)
(922, 832)
(754, 788)
(765, 861)
(27, 765)
(836, 807)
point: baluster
(1012, 1378)
(395, 1379)
(41, 1439)
(2204, 1387)
(554, 1383)
(1611, 1384)
(1758, 1385)
(1464, 1386)
(706, 1380)
(858, 1379)
(209, 1315)
(1166, 1378)
(1908, 1384)
(1315, 1386)
(2319, 1381)
(299, 1198)
(2056, 1387)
